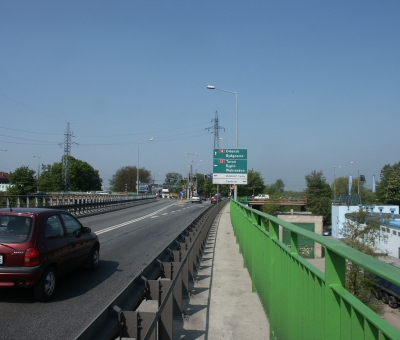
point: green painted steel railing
(301, 301)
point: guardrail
(300, 301)
(76, 204)
(145, 309)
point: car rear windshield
(15, 229)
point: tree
(22, 181)
(319, 195)
(255, 184)
(51, 177)
(208, 188)
(272, 208)
(340, 186)
(124, 177)
(275, 189)
(388, 188)
(127, 175)
(361, 231)
(83, 177)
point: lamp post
(38, 172)
(358, 177)
(211, 87)
(137, 172)
(231, 141)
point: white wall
(4, 187)
(339, 211)
(392, 244)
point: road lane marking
(131, 221)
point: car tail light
(31, 257)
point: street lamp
(38, 171)
(358, 176)
(211, 87)
(137, 172)
(231, 141)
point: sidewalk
(222, 305)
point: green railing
(301, 301)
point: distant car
(261, 197)
(37, 245)
(196, 199)
(216, 198)
(203, 197)
(327, 232)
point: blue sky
(318, 84)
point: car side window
(53, 228)
(72, 225)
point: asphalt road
(130, 239)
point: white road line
(131, 221)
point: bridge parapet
(301, 301)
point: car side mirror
(87, 230)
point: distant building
(389, 214)
(4, 182)
(339, 214)
(4, 178)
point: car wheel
(94, 259)
(392, 302)
(45, 288)
(385, 298)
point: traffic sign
(230, 179)
(230, 166)
(230, 153)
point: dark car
(37, 245)
(327, 232)
(203, 197)
(216, 198)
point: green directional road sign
(230, 166)
(230, 153)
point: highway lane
(130, 239)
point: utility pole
(216, 128)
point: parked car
(196, 199)
(261, 197)
(327, 232)
(37, 245)
(216, 198)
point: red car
(216, 198)
(37, 245)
